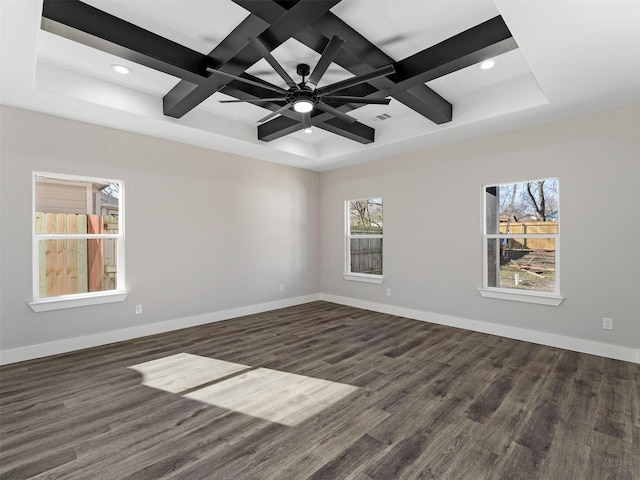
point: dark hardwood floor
(432, 402)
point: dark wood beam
(85, 24)
(176, 104)
(234, 44)
(281, 126)
(358, 56)
(427, 103)
(228, 48)
(270, 12)
(358, 132)
(486, 40)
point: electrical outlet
(607, 323)
(281, 287)
(388, 292)
(138, 309)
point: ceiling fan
(303, 97)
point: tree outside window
(522, 236)
(364, 236)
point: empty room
(320, 239)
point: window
(521, 241)
(78, 241)
(363, 245)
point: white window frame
(528, 296)
(39, 304)
(348, 274)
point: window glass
(522, 235)
(77, 236)
(364, 236)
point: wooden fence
(366, 255)
(76, 266)
(517, 228)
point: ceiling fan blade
(328, 55)
(348, 99)
(264, 51)
(273, 114)
(266, 85)
(255, 100)
(335, 112)
(357, 80)
(306, 120)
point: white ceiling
(575, 57)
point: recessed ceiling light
(308, 130)
(487, 64)
(121, 69)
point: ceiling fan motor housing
(303, 70)
(305, 93)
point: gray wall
(208, 231)
(432, 219)
(205, 231)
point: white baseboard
(549, 339)
(30, 352)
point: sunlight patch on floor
(272, 395)
(280, 397)
(184, 371)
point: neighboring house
(108, 205)
(55, 196)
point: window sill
(516, 296)
(71, 301)
(363, 277)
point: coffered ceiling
(553, 60)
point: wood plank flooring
(431, 402)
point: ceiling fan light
(308, 130)
(303, 105)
